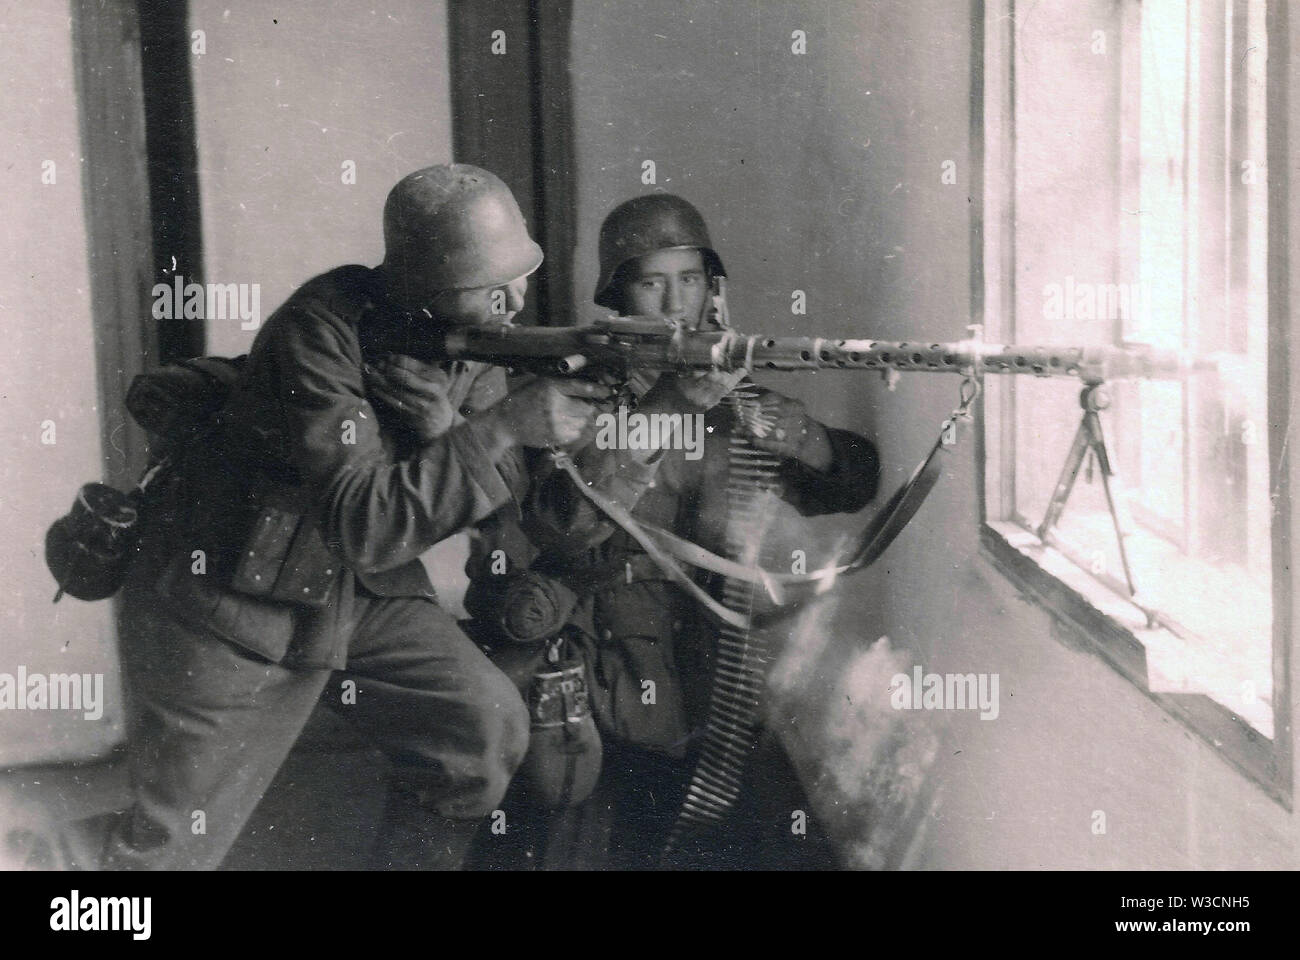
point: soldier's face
(667, 283)
(481, 305)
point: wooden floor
(323, 809)
(321, 812)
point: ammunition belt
(732, 725)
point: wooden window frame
(513, 114)
(1084, 608)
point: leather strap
(676, 574)
(665, 548)
(886, 525)
(698, 556)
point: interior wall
(50, 393)
(823, 172)
(285, 95)
(809, 169)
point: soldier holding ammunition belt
(656, 260)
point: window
(1127, 205)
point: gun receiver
(622, 345)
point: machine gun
(617, 348)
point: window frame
(1092, 617)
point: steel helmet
(656, 221)
(455, 227)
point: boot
(414, 836)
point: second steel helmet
(657, 221)
(456, 227)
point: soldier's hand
(703, 389)
(781, 425)
(547, 412)
(417, 392)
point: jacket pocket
(263, 627)
(285, 559)
(637, 695)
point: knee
(502, 722)
(507, 722)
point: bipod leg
(1065, 483)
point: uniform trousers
(209, 724)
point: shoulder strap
(619, 514)
(665, 548)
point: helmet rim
(646, 224)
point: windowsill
(1178, 660)
(1160, 663)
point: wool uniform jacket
(639, 626)
(307, 492)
